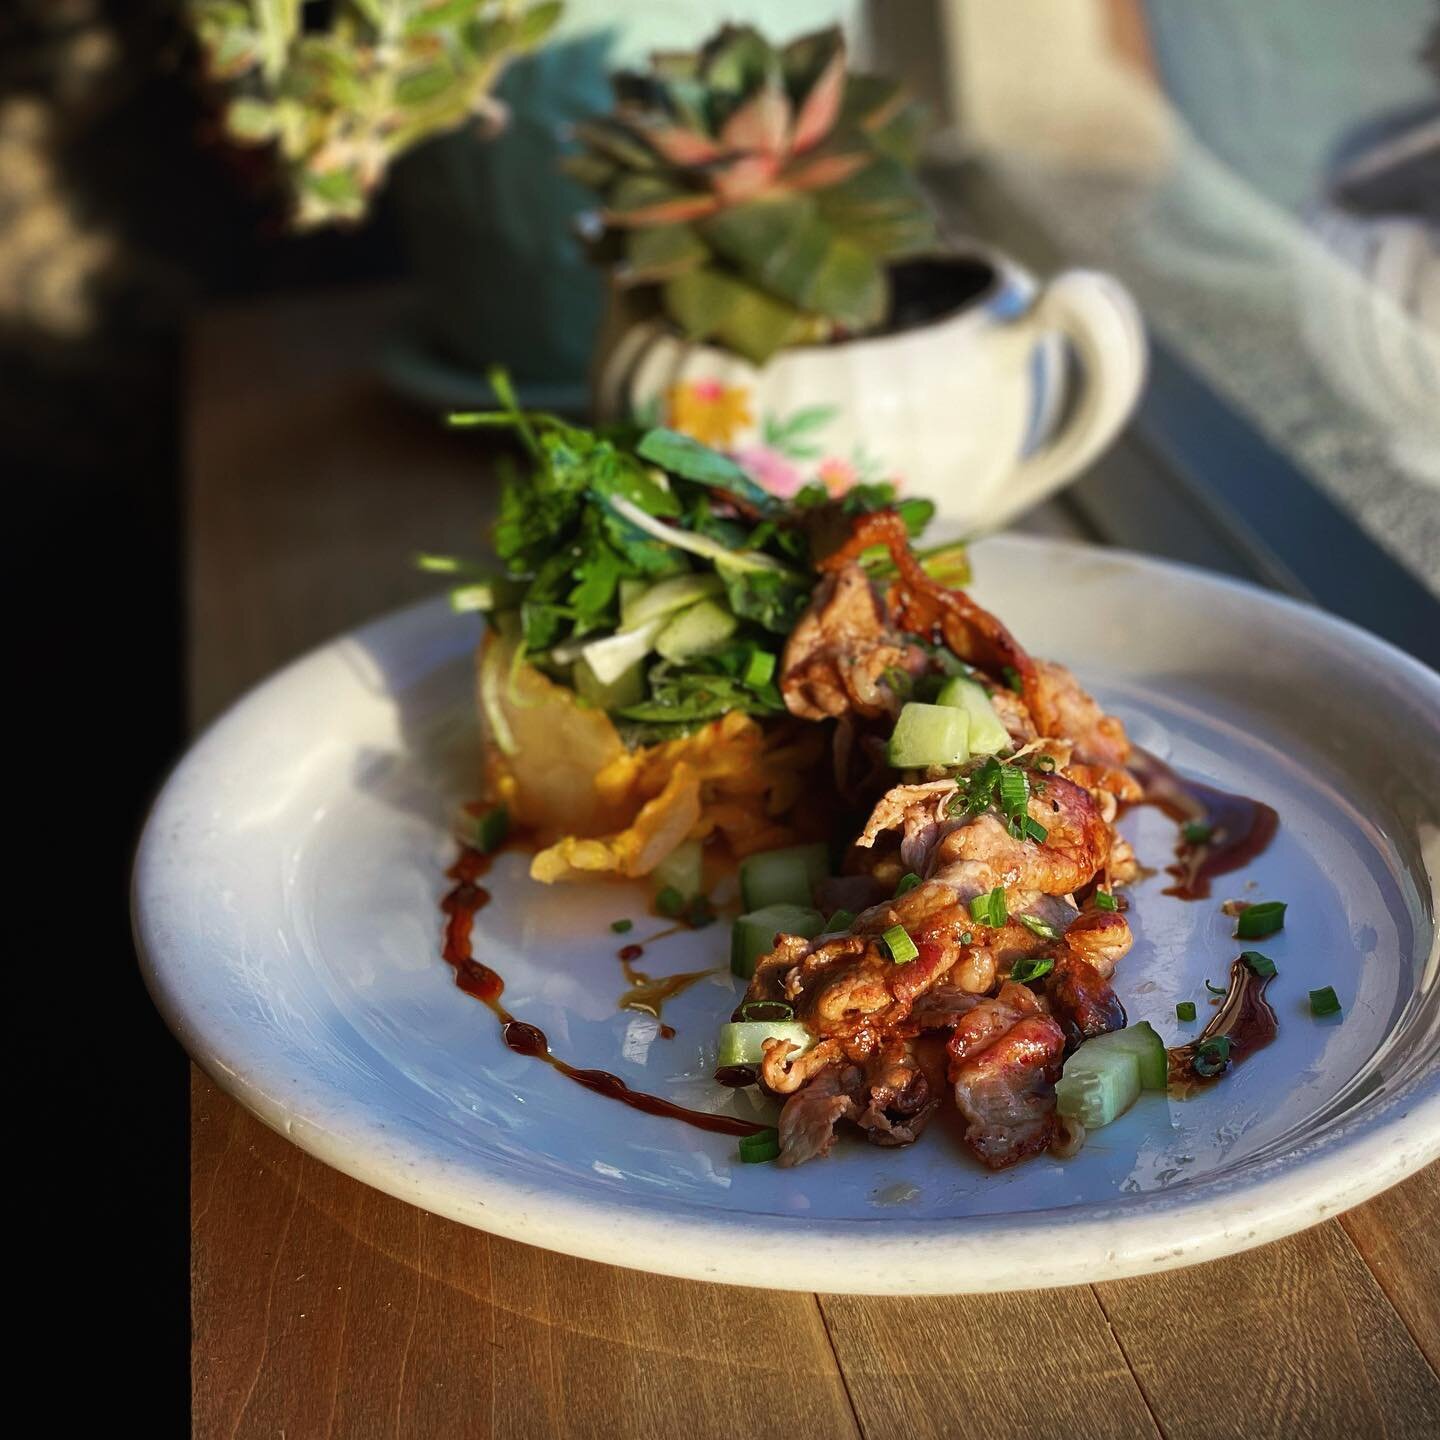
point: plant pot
(961, 400)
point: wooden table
(323, 1308)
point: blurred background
(240, 280)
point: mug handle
(1096, 314)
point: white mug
(968, 409)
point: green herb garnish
(1324, 1002)
(1261, 965)
(1196, 832)
(906, 885)
(622, 927)
(1032, 967)
(989, 909)
(1185, 1010)
(1256, 921)
(901, 947)
(1104, 900)
(1036, 926)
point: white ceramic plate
(286, 907)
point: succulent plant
(340, 100)
(759, 192)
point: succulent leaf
(762, 190)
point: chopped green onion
(840, 920)
(765, 1010)
(439, 564)
(491, 828)
(670, 901)
(621, 927)
(967, 938)
(1045, 762)
(901, 947)
(1013, 679)
(1324, 1002)
(1262, 965)
(906, 885)
(1036, 926)
(1035, 830)
(699, 912)
(979, 790)
(1031, 967)
(1196, 832)
(757, 1149)
(759, 668)
(1215, 989)
(1104, 900)
(1212, 1055)
(1256, 921)
(1014, 789)
(1185, 1010)
(989, 909)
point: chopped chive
(765, 1010)
(1031, 967)
(989, 909)
(621, 927)
(1196, 832)
(1256, 921)
(1014, 790)
(1262, 965)
(1324, 1002)
(1036, 926)
(1104, 900)
(759, 668)
(491, 828)
(1035, 830)
(901, 947)
(1013, 678)
(906, 885)
(1185, 1010)
(1212, 1055)
(757, 1149)
(1215, 989)
(669, 901)
(840, 920)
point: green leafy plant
(758, 193)
(340, 100)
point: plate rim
(1262, 1200)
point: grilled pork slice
(841, 649)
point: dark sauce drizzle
(647, 994)
(1244, 1018)
(479, 981)
(1240, 828)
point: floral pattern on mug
(709, 411)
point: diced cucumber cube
(742, 1042)
(1147, 1047)
(682, 869)
(628, 688)
(783, 877)
(611, 657)
(929, 735)
(651, 602)
(694, 631)
(754, 934)
(987, 735)
(1098, 1084)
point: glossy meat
(1006, 1091)
(840, 649)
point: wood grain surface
(322, 1308)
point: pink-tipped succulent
(761, 192)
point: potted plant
(341, 98)
(779, 289)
